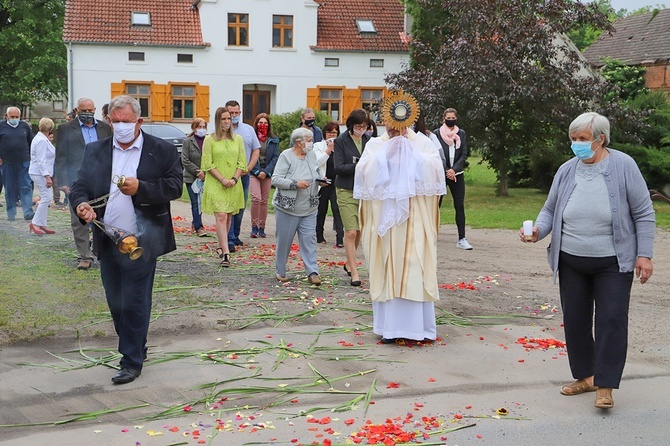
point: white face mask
(201, 132)
(124, 132)
(359, 133)
(308, 147)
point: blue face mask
(13, 122)
(582, 149)
(235, 119)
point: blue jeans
(197, 217)
(17, 183)
(236, 226)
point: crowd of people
(384, 193)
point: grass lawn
(483, 209)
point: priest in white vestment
(399, 180)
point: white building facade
(184, 59)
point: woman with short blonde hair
(41, 170)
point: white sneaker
(463, 244)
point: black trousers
(588, 283)
(327, 195)
(457, 190)
(128, 287)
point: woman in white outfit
(41, 170)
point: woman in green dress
(223, 160)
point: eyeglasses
(361, 126)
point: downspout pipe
(70, 80)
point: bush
(653, 163)
(284, 124)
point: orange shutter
(159, 103)
(202, 102)
(118, 88)
(352, 100)
(313, 98)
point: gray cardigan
(633, 218)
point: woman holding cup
(602, 225)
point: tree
(33, 65)
(507, 67)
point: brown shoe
(604, 398)
(314, 279)
(84, 264)
(578, 387)
(281, 278)
(202, 232)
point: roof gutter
(135, 44)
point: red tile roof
(337, 30)
(173, 22)
(640, 38)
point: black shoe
(387, 341)
(125, 376)
(238, 242)
(346, 270)
(146, 351)
(355, 283)
(231, 247)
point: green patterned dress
(226, 156)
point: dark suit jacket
(160, 176)
(70, 149)
(343, 160)
(460, 154)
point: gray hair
(124, 100)
(595, 123)
(83, 99)
(300, 134)
(11, 107)
(305, 111)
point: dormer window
(365, 26)
(140, 19)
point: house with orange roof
(184, 58)
(639, 40)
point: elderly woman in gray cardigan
(602, 223)
(296, 203)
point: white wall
(228, 69)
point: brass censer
(126, 242)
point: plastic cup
(528, 230)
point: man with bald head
(15, 139)
(71, 139)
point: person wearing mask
(42, 157)
(349, 147)
(71, 139)
(191, 154)
(252, 150)
(453, 142)
(140, 204)
(371, 132)
(261, 174)
(223, 161)
(602, 225)
(308, 121)
(296, 203)
(324, 151)
(15, 139)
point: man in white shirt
(127, 181)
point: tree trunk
(503, 183)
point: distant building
(182, 59)
(640, 40)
